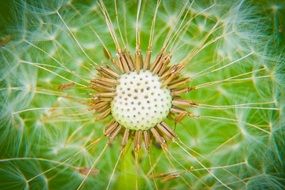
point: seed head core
(140, 101)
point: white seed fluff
(140, 101)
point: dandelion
(142, 95)
(140, 99)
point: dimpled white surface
(140, 102)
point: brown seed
(166, 130)
(100, 104)
(102, 88)
(114, 133)
(157, 136)
(105, 99)
(174, 71)
(160, 64)
(147, 60)
(106, 94)
(165, 75)
(178, 67)
(168, 80)
(146, 139)
(129, 60)
(164, 66)
(109, 72)
(180, 116)
(176, 92)
(118, 63)
(138, 140)
(157, 68)
(138, 60)
(101, 73)
(110, 128)
(95, 100)
(162, 69)
(102, 82)
(182, 102)
(102, 109)
(178, 83)
(125, 137)
(103, 114)
(109, 81)
(178, 79)
(177, 110)
(157, 65)
(156, 61)
(123, 62)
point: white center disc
(140, 102)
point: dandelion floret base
(140, 102)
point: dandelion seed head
(61, 42)
(140, 102)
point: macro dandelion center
(141, 98)
(146, 94)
